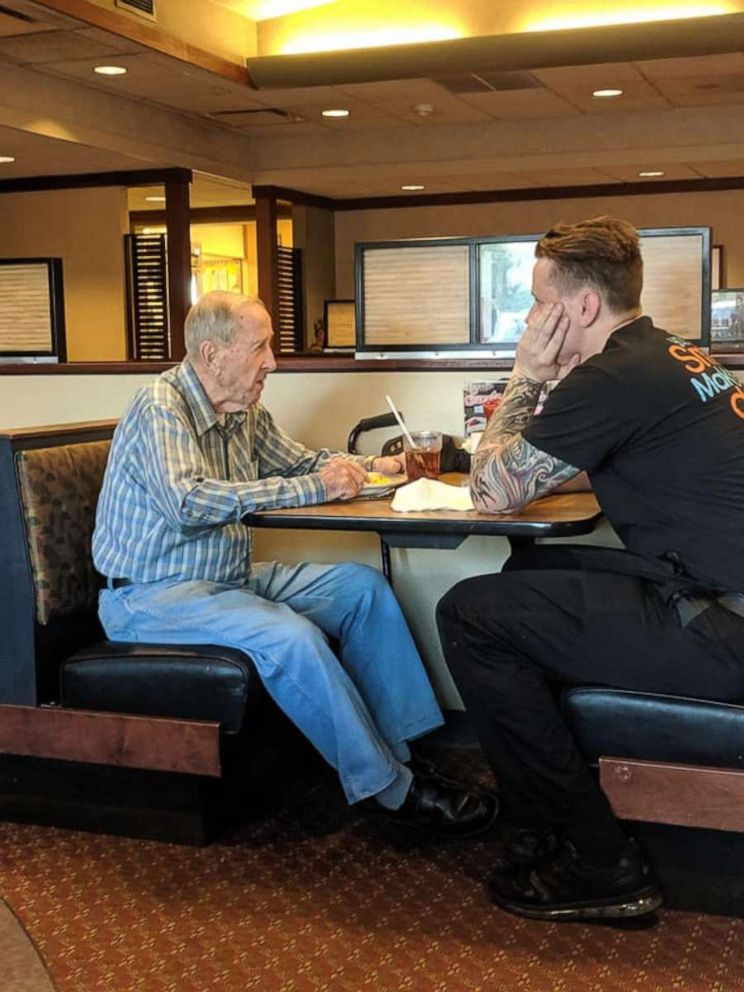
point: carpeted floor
(21, 968)
(309, 897)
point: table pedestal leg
(387, 569)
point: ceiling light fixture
(335, 113)
(110, 70)
(412, 187)
(155, 199)
(607, 94)
(651, 173)
(423, 109)
(6, 158)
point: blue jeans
(357, 708)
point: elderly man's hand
(389, 465)
(342, 478)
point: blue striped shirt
(178, 483)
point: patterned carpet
(22, 970)
(310, 897)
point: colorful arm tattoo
(508, 471)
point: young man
(659, 428)
(194, 453)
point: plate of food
(378, 484)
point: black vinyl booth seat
(651, 727)
(673, 767)
(186, 681)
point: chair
(674, 767)
(453, 458)
(130, 738)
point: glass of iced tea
(423, 458)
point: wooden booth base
(697, 870)
(178, 808)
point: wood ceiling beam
(524, 50)
(149, 36)
(88, 180)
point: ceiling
(501, 130)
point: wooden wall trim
(156, 743)
(88, 180)
(306, 363)
(178, 248)
(150, 36)
(296, 196)
(238, 214)
(684, 795)
(645, 188)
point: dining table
(555, 515)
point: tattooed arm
(507, 470)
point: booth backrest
(49, 483)
(59, 490)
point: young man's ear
(590, 305)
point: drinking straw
(400, 421)
(417, 456)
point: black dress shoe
(523, 847)
(444, 809)
(565, 887)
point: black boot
(565, 887)
(523, 847)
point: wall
(85, 228)
(720, 211)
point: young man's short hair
(603, 253)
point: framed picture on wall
(340, 325)
(727, 318)
(32, 310)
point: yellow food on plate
(378, 479)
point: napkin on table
(428, 494)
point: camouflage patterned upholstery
(59, 490)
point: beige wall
(720, 211)
(85, 228)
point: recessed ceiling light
(335, 113)
(606, 94)
(6, 158)
(110, 70)
(651, 173)
(412, 187)
(155, 199)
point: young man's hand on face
(541, 343)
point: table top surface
(563, 514)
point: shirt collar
(205, 417)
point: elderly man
(659, 427)
(194, 453)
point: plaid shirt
(178, 484)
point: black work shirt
(659, 427)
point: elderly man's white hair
(212, 318)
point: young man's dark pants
(513, 639)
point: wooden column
(266, 241)
(179, 261)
